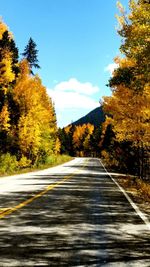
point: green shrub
(50, 160)
(57, 159)
(8, 163)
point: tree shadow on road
(85, 221)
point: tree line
(28, 128)
(129, 105)
(123, 140)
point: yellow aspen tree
(130, 82)
(130, 114)
(135, 32)
(57, 146)
(78, 136)
(37, 123)
(3, 28)
(4, 119)
(8, 57)
(29, 136)
(6, 73)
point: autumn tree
(8, 58)
(57, 146)
(36, 122)
(66, 139)
(131, 81)
(28, 126)
(95, 141)
(82, 139)
(134, 29)
(9, 71)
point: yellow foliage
(90, 128)
(108, 120)
(136, 34)
(4, 119)
(24, 69)
(130, 113)
(126, 62)
(3, 28)
(6, 74)
(37, 124)
(32, 115)
(109, 159)
(78, 135)
(24, 162)
(29, 135)
(120, 7)
(130, 101)
(57, 146)
(81, 137)
(67, 129)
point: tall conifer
(30, 53)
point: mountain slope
(95, 117)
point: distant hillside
(95, 117)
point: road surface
(71, 215)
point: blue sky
(77, 41)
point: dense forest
(129, 104)
(123, 139)
(28, 129)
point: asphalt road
(72, 215)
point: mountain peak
(95, 117)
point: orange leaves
(24, 69)
(81, 137)
(90, 128)
(78, 135)
(67, 129)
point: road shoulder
(134, 192)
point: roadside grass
(54, 161)
(135, 185)
(136, 188)
(51, 161)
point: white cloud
(111, 67)
(64, 100)
(72, 99)
(73, 94)
(73, 85)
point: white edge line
(135, 207)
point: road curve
(71, 215)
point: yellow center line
(8, 211)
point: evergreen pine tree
(30, 53)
